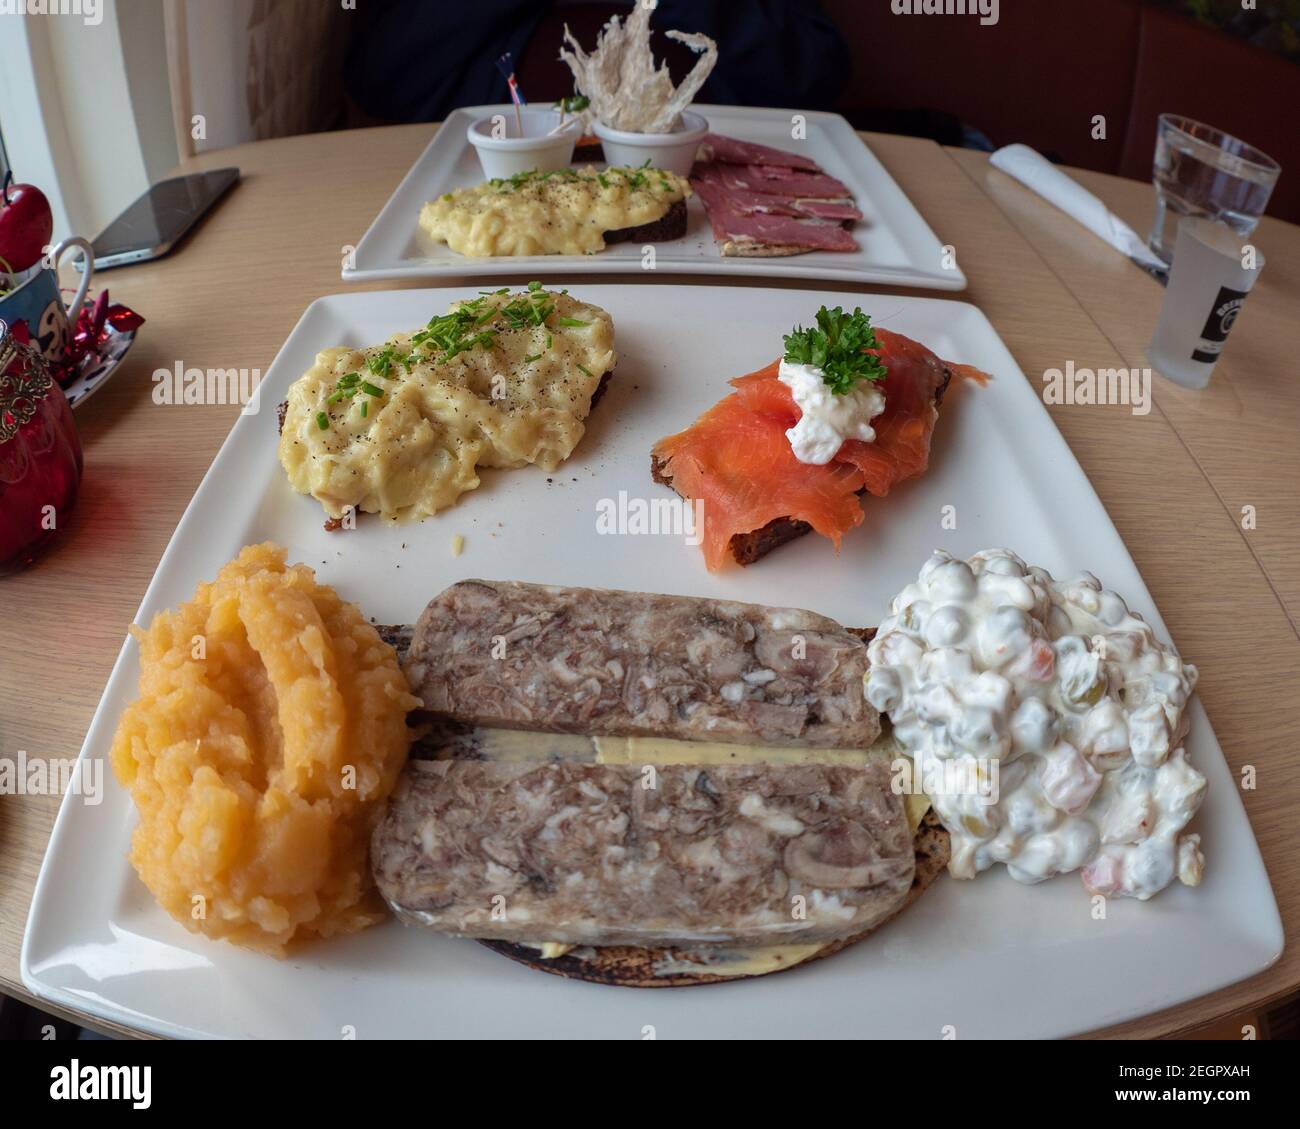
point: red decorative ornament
(40, 453)
(90, 335)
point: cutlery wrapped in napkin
(1036, 172)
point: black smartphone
(155, 223)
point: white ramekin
(672, 151)
(538, 148)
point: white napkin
(1036, 172)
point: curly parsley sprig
(838, 346)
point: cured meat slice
(772, 180)
(746, 202)
(628, 664)
(763, 201)
(759, 232)
(587, 854)
(731, 151)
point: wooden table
(1174, 481)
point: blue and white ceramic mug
(38, 301)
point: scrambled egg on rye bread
(501, 380)
(566, 212)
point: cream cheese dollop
(828, 418)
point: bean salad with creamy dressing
(1064, 699)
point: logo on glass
(1218, 325)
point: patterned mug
(38, 302)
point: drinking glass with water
(1205, 173)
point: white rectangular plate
(896, 246)
(989, 957)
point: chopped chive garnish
(370, 390)
(381, 362)
(364, 405)
(468, 326)
(584, 370)
(322, 421)
(533, 357)
(634, 177)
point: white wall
(217, 36)
(85, 109)
(90, 79)
(30, 119)
(144, 54)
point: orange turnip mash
(270, 728)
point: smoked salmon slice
(737, 460)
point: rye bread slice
(749, 547)
(752, 249)
(671, 225)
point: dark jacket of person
(416, 60)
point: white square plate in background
(896, 246)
